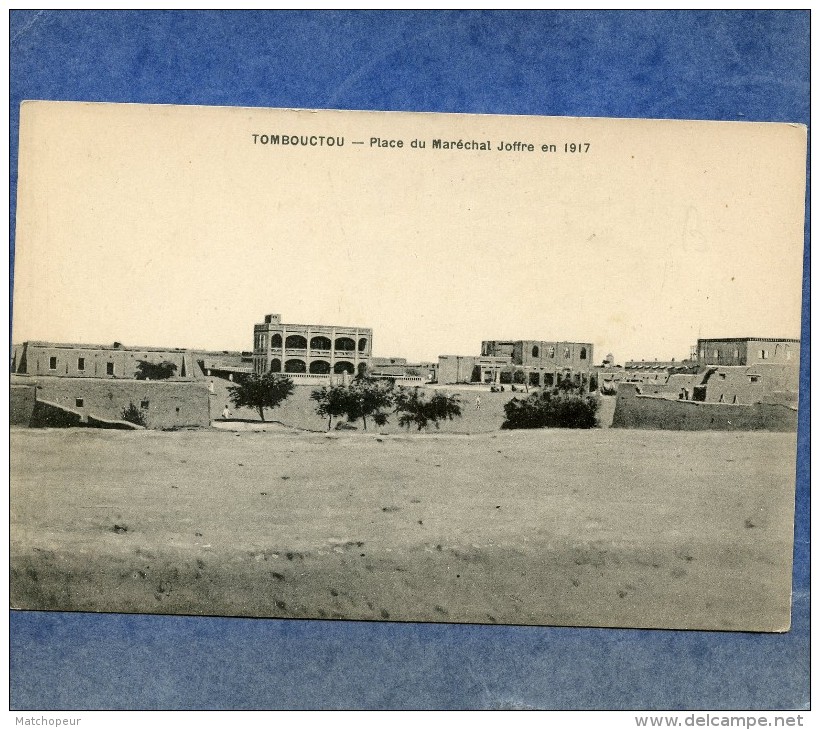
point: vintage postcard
(407, 367)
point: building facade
(770, 382)
(748, 351)
(399, 368)
(536, 363)
(71, 360)
(305, 351)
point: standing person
(478, 402)
(226, 413)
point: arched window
(566, 353)
(276, 365)
(295, 366)
(320, 343)
(343, 367)
(362, 369)
(345, 344)
(320, 367)
(551, 352)
(295, 342)
(362, 344)
(583, 353)
(535, 350)
(276, 340)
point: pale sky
(168, 226)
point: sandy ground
(599, 527)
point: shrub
(557, 409)
(134, 415)
(526, 412)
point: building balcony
(302, 352)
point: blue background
(695, 65)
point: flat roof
(131, 348)
(315, 326)
(747, 339)
(549, 342)
(88, 346)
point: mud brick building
(748, 351)
(72, 360)
(86, 384)
(531, 362)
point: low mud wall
(165, 404)
(53, 415)
(21, 404)
(633, 410)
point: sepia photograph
(406, 367)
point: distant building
(774, 382)
(305, 350)
(747, 351)
(531, 362)
(226, 365)
(72, 360)
(735, 371)
(60, 383)
(400, 370)
(644, 371)
(118, 361)
(387, 362)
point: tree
(368, 397)
(415, 408)
(261, 391)
(155, 370)
(332, 401)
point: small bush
(557, 409)
(134, 415)
(525, 412)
